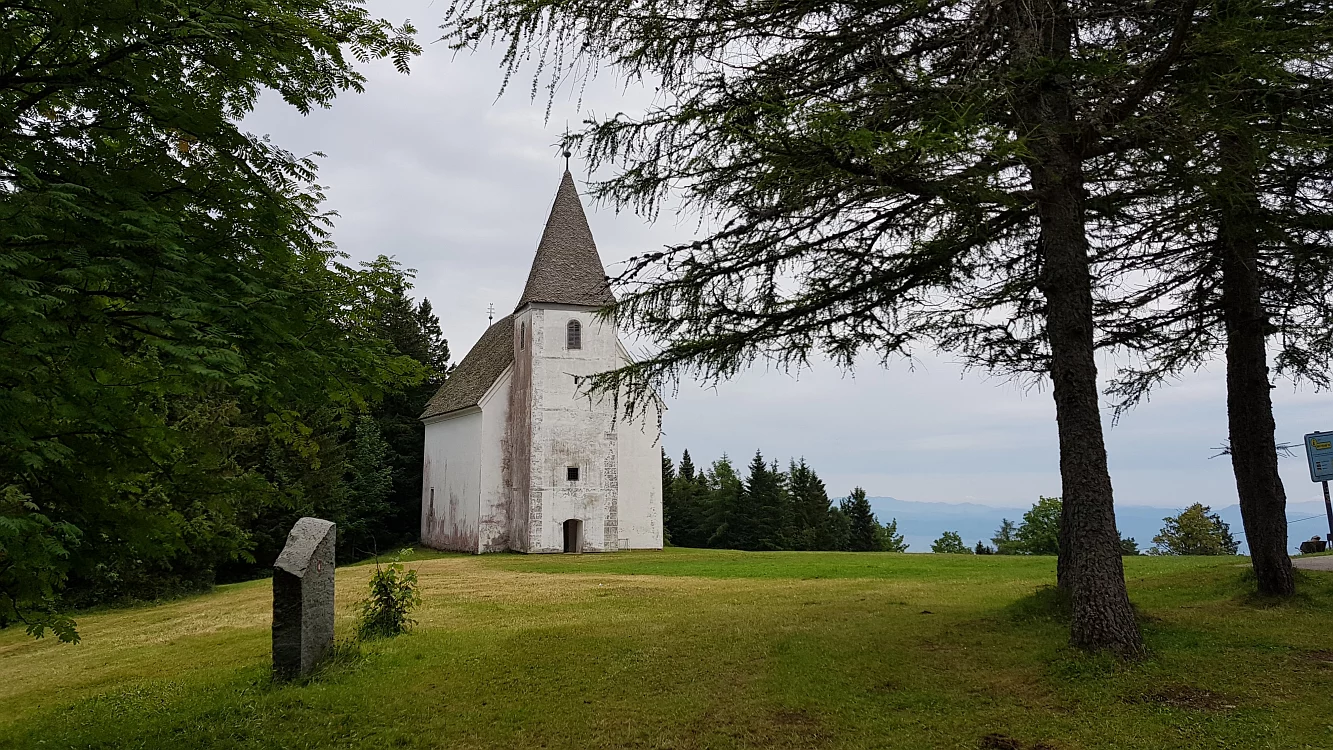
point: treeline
(767, 509)
(1194, 531)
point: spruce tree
(671, 512)
(724, 524)
(810, 509)
(691, 493)
(863, 528)
(762, 513)
(1005, 542)
(888, 538)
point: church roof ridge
(567, 269)
(477, 372)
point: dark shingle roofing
(475, 375)
(567, 269)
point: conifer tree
(724, 517)
(762, 514)
(811, 507)
(863, 531)
(1236, 228)
(888, 538)
(414, 331)
(691, 495)
(1005, 542)
(671, 513)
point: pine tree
(672, 514)
(724, 517)
(1005, 542)
(863, 526)
(888, 538)
(810, 509)
(762, 515)
(691, 496)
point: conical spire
(567, 269)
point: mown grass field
(692, 648)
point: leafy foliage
(180, 347)
(950, 543)
(393, 594)
(32, 553)
(1195, 531)
(1039, 531)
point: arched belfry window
(573, 335)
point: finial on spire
(567, 155)
(490, 313)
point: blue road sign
(1319, 449)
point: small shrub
(950, 543)
(392, 596)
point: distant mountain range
(922, 523)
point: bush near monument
(393, 594)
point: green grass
(691, 648)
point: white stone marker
(303, 598)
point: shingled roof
(475, 375)
(567, 269)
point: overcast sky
(434, 170)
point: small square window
(572, 473)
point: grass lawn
(693, 648)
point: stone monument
(303, 598)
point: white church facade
(517, 457)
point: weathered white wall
(570, 430)
(640, 501)
(451, 482)
(493, 524)
(517, 441)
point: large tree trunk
(1263, 501)
(1090, 567)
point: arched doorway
(573, 535)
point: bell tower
(561, 447)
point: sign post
(1319, 451)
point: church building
(518, 456)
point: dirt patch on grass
(1005, 742)
(1185, 696)
(1323, 657)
